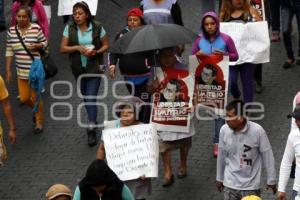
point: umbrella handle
(155, 65)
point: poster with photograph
(170, 111)
(211, 75)
(259, 5)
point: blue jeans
(246, 71)
(2, 17)
(89, 87)
(219, 122)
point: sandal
(275, 37)
(182, 173)
(168, 182)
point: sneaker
(182, 173)
(38, 130)
(92, 138)
(21, 103)
(275, 37)
(287, 64)
(258, 88)
(216, 149)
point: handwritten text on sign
(132, 151)
(251, 40)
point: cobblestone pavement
(60, 153)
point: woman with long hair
(85, 40)
(240, 11)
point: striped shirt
(14, 46)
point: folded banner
(251, 40)
(170, 111)
(132, 151)
(65, 7)
(211, 74)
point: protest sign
(251, 40)
(65, 7)
(132, 151)
(172, 101)
(211, 74)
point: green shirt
(84, 38)
(126, 194)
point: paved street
(60, 154)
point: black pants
(258, 74)
(287, 15)
(275, 14)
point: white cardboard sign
(133, 151)
(251, 40)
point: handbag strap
(22, 42)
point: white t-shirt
(294, 125)
(292, 151)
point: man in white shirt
(243, 149)
(292, 151)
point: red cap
(135, 12)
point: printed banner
(259, 5)
(251, 40)
(132, 152)
(170, 111)
(65, 7)
(211, 74)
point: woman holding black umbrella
(134, 67)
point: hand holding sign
(132, 152)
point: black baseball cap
(296, 113)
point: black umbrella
(152, 37)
